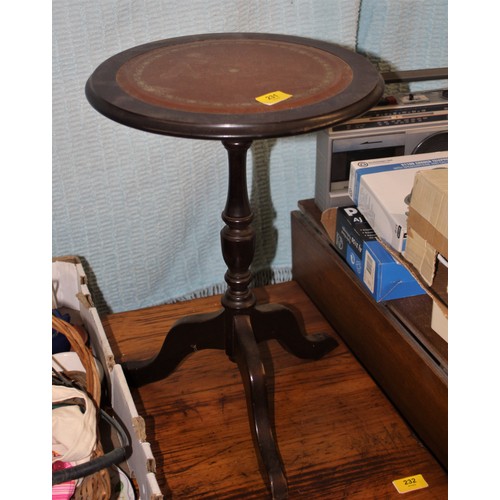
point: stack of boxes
(381, 189)
(399, 216)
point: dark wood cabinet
(392, 340)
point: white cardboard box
(382, 194)
(70, 292)
(363, 167)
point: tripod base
(244, 329)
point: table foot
(247, 357)
(188, 335)
(276, 321)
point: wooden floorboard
(338, 435)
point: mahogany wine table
(339, 436)
(235, 87)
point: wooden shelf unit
(393, 340)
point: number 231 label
(411, 483)
(273, 97)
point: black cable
(86, 469)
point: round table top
(234, 86)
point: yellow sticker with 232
(411, 483)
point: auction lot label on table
(273, 97)
(411, 483)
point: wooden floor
(338, 436)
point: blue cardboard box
(376, 268)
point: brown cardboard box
(428, 239)
(428, 222)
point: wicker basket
(96, 485)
